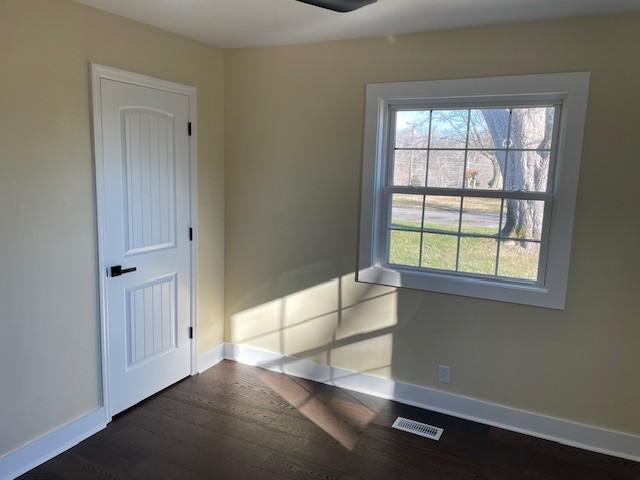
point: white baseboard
(566, 432)
(211, 358)
(38, 451)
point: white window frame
(568, 91)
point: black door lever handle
(117, 270)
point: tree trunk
(524, 170)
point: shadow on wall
(337, 322)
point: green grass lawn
(477, 255)
(439, 251)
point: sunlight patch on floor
(343, 421)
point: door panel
(146, 223)
(151, 320)
(149, 165)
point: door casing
(99, 72)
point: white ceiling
(242, 23)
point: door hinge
(189, 128)
(191, 234)
(190, 332)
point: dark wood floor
(239, 422)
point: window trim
(568, 89)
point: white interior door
(145, 239)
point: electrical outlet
(444, 374)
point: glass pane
(412, 129)
(439, 251)
(478, 255)
(449, 128)
(410, 168)
(481, 216)
(519, 259)
(489, 128)
(442, 213)
(404, 248)
(446, 168)
(406, 211)
(527, 171)
(532, 127)
(522, 219)
(484, 169)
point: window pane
(527, 171)
(412, 129)
(532, 127)
(410, 168)
(478, 255)
(522, 219)
(446, 168)
(406, 211)
(404, 248)
(449, 128)
(439, 251)
(519, 259)
(489, 128)
(481, 216)
(484, 169)
(442, 213)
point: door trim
(99, 72)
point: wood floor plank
(296, 468)
(240, 422)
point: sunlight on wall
(259, 326)
(368, 315)
(310, 319)
(339, 322)
(372, 356)
(309, 334)
(311, 302)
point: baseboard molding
(562, 431)
(38, 451)
(588, 437)
(211, 358)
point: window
(469, 186)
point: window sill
(442, 282)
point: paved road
(447, 216)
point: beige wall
(49, 326)
(293, 156)
(293, 127)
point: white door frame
(99, 72)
